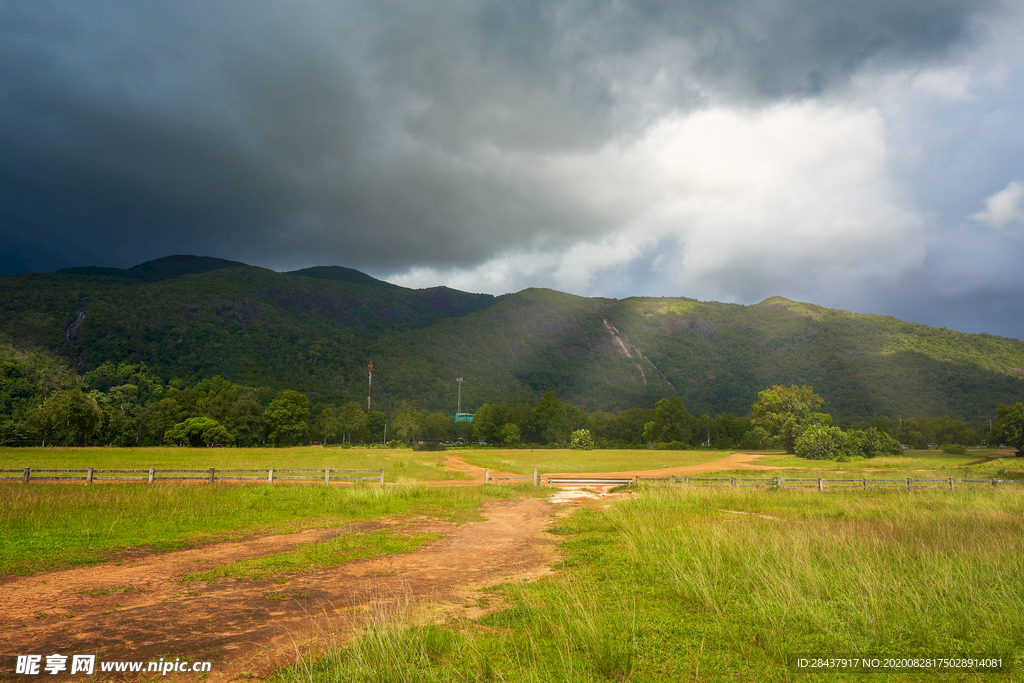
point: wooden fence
(150, 476)
(488, 478)
(822, 484)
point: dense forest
(183, 329)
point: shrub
(581, 440)
(197, 431)
(869, 443)
(671, 446)
(821, 442)
(954, 449)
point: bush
(671, 446)
(870, 443)
(197, 431)
(821, 442)
(581, 440)
(954, 449)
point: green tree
(376, 422)
(510, 435)
(352, 420)
(406, 422)
(325, 426)
(122, 415)
(782, 413)
(287, 418)
(1008, 429)
(197, 431)
(69, 417)
(870, 443)
(245, 419)
(484, 423)
(821, 442)
(582, 440)
(437, 427)
(552, 419)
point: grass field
(49, 526)
(678, 583)
(691, 584)
(912, 463)
(397, 464)
(598, 460)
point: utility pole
(458, 411)
(369, 389)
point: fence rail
(488, 478)
(211, 475)
(822, 484)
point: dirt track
(136, 609)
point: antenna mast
(369, 389)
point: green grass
(598, 460)
(399, 463)
(913, 463)
(49, 526)
(315, 556)
(674, 586)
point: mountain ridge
(315, 330)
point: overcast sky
(858, 155)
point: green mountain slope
(314, 330)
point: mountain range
(315, 330)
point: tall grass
(675, 585)
(46, 526)
(885, 573)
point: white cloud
(720, 204)
(1004, 207)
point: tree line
(126, 405)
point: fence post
(270, 476)
(151, 477)
(211, 475)
(865, 483)
(686, 480)
(25, 475)
(487, 475)
(88, 476)
(951, 483)
(821, 484)
(778, 483)
(636, 479)
(327, 476)
(995, 482)
(536, 479)
(910, 484)
(382, 477)
(734, 482)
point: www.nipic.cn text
(54, 664)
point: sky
(867, 156)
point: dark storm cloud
(378, 135)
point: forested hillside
(185, 319)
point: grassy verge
(691, 584)
(598, 460)
(315, 556)
(399, 463)
(979, 463)
(49, 526)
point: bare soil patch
(137, 609)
